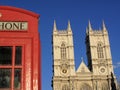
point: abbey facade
(97, 75)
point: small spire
(103, 26)
(82, 59)
(89, 26)
(69, 26)
(86, 30)
(54, 27)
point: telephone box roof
(19, 10)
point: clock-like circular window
(64, 71)
(102, 70)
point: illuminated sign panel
(13, 25)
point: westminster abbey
(97, 75)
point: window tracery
(65, 87)
(100, 50)
(85, 87)
(104, 86)
(63, 51)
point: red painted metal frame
(30, 42)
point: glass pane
(18, 55)
(5, 79)
(17, 79)
(5, 55)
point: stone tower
(98, 51)
(99, 74)
(63, 58)
(99, 56)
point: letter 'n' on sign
(20, 61)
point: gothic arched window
(65, 87)
(63, 51)
(104, 86)
(100, 50)
(85, 87)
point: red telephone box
(19, 50)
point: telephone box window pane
(5, 79)
(5, 55)
(17, 79)
(18, 55)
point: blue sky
(78, 12)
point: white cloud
(114, 66)
(117, 65)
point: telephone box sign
(20, 51)
(13, 25)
